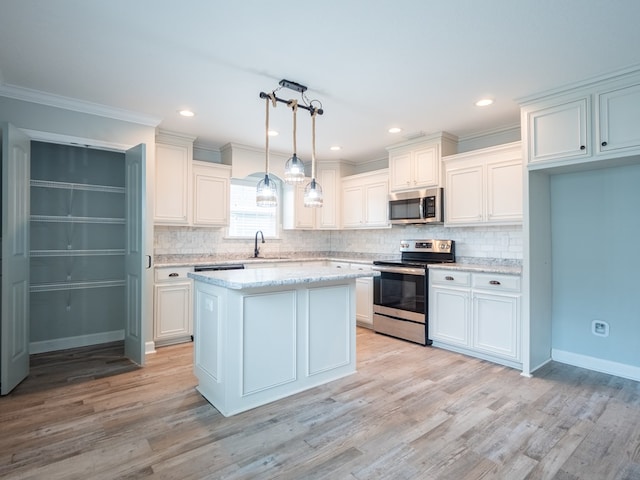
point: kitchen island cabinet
(267, 333)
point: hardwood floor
(409, 413)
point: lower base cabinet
(477, 314)
(364, 294)
(172, 306)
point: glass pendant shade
(313, 194)
(266, 193)
(294, 170)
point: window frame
(252, 181)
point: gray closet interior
(77, 226)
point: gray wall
(596, 260)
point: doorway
(77, 247)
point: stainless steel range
(400, 293)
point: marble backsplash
(500, 245)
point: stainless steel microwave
(416, 206)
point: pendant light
(266, 193)
(313, 190)
(294, 168)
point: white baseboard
(75, 342)
(149, 347)
(599, 365)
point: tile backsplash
(502, 243)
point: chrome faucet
(256, 250)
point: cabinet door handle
(494, 282)
(582, 147)
(449, 277)
(604, 144)
(173, 274)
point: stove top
(420, 253)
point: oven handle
(402, 270)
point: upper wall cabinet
(174, 154)
(188, 192)
(593, 121)
(365, 200)
(484, 186)
(211, 194)
(417, 163)
(327, 217)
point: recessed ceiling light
(273, 133)
(186, 113)
(484, 102)
(335, 148)
(395, 130)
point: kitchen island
(264, 334)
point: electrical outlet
(600, 328)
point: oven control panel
(431, 245)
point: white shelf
(76, 253)
(72, 219)
(77, 186)
(52, 287)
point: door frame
(147, 291)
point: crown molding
(75, 105)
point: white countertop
(479, 268)
(277, 276)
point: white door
(14, 331)
(135, 261)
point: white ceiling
(416, 64)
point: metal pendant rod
(310, 108)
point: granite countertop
(189, 261)
(278, 276)
(480, 268)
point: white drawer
(360, 266)
(164, 274)
(450, 277)
(492, 281)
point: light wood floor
(409, 413)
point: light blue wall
(595, 222)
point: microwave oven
(416, 206)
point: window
(246, 218)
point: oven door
(400, 292)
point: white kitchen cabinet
(172, 310)
(449, 307)
(210, 194)
(188, 192)
(591, 121)
(476, 313)
(484, 186)
(365, 200)
(559, 131)
(618, 120)
(172, 197)
(417, 164)
(294, 214)
(327, 217)
(364, 297)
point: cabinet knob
(173, 274)
(582, 147)
(604, 144)
(449, 277)
(494, 282)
